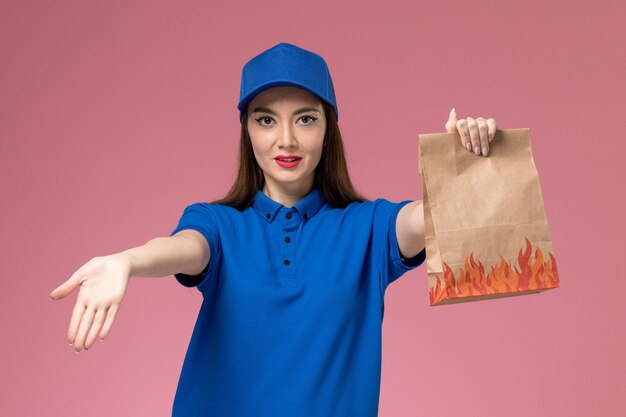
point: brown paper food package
(485, 225)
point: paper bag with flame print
(485, 226)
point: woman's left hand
(475, 134)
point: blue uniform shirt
(291, 319)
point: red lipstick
(287, 161)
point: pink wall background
(115, 115)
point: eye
(263, 118)
(309, 117)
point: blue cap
(286, 64)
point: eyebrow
(302, 110)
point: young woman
(292, 264)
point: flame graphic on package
(528, 275)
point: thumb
(66, 288)
(451, 123)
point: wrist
(125, 259)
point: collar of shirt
(307, 207)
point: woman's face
(287, 121)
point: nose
(287, 136)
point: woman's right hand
(103, 282)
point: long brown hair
(331, 173)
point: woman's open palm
(103, 282)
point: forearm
(161, 256)
(418, 227)
(410, 229)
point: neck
(288, 196)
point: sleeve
(202, 218)
(392, 264)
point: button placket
(290, 226)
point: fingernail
(468, 146)
(485, 151)
(477, 150)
